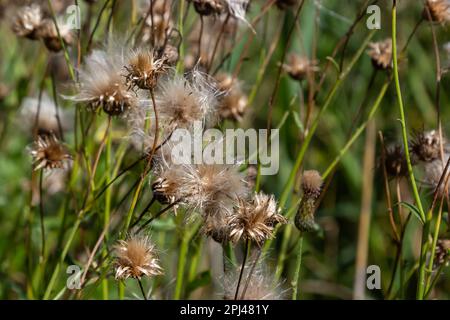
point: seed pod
(311, 186)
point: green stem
(422, 265)
(298, 265)
(106, 217)
(142, 289)
(186, 239)
(402, 112)
(434, 244)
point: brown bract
(49, 153)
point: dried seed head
(426, 145)
(102, 85)
(136, 258)
(144, 69)
(260, 287)
(169, 54)
(27, 21)
(311, 186)
(168, 187)
(49, 153)
(181, 102)
(255, 220)
(299, 67)
(208, 7)
(48, 33)
(395, 161)
(437, 10)
(442, 252)
(311, 183)
(433, 172)
(381, 54)
(216, 227)
(233, 102)
(218, 188)
(286, 4)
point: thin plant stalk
(244, 260)
(41, 213)
(422, 264)
(298, 265)
(142, 288)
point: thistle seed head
(381, 54)
(299, 67)
(144, 69)
(181, 102)
(426, 145)
(103, 87)
(233, 102)
(27, 21)
(135, 258)
(49, 153)
(437, 11)
(49, 34)
(395, 161)
(255, 220)
(311, 186)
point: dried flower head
(395, 161)
(311, 186)
(208, 7)
(181, 102)
(381, 54)
(218, 188)
(299, 67)
(169, 54)
(144, 69)
(285, 4)
(255, 220)
(260, 287)
(49, 34)
(102, 85)
(49, 153)
(216, 227)
(437, 10)
(27, 21)
(312, 183)
(168, 186)
(233, 102)
(426, 145)
(136, 258)
(442, 252)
